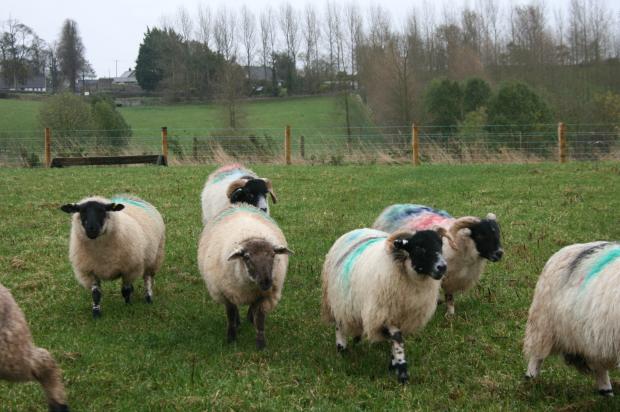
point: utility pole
(116, 68)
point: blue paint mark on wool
(234, 173)
(351, 257)
(249, 209)
(607, 257)
(134, 202)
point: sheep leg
(259, 323)
(126, 291)
(252, 310)
(449, 304)
(602, 382)
(148, 287)
(46, 372)
(232, 312)
(96, 292)
(341, 339)
(398, 361)
(533, 367)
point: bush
(112, 129)
(518, 107)
(476, 94)
(443, 101)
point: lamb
(475, 240)
(243, 258)
(233, 184)
(382, 287)
(111, 238)
(575, 311)
(21, 361)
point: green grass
(173, 356)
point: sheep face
(93, 215)
(424, 252)
(486, 237)
(253, 192)
(258, 256)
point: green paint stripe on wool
(251, 209)
(607, 257)
(348, 264)
(134, 202)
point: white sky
(112, 30)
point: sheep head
(423, 250)
(485, 233)
(257, 256)
(251, 191)
(93, 215)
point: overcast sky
(112, 30)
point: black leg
(58, 408)
(126, 291)
(398, 362)
(232, 313)
(259, 321)
(96, 292)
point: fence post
(562, 142)
(164, 142)
(302, 146)
(415, 145)
(287, 145)
(48, 147)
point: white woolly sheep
(382, 287)
(111, 238)
(474, 241)
(233, 184)
(243, 257)
(575, 311)
(21, 361)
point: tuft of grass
(173, 355)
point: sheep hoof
(403, 377)
(126, 292)
(58, 408)
(606, 392)
(149, 299)
(96, 313)
(232, 336)
(341, 348)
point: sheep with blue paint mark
(232, 184)
(243, 258)
(473, 242)
(122, 237)
(575, 311)
(382, 287)
(21, 361)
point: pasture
(173, 355)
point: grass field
(173, 356)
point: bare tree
(184, 24)
(354, 33)
(71, 53)
(248, 33)
(266, 30)
(224, 31)
(379, 26)
(311, 32)
(332, 22)
(204, 29)
(289, 24)
(21, 52)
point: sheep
(243, 258)
(111, 238)
(475, 240)
(575, 311)
(21, 361)
(382, 287)
(233, 184)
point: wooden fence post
(287, 145)
(562, 142)
(415, 145)
(164, 142)
(48, 147)
(302, 146)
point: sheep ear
(491, 216)
(70, 208)
(274, 199)
(114, 207)
(442, 232)
(236, 254)
(282, 249)
(400, 243)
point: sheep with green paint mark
(122, 237)
(243, 258)
(575, 311)
(382, 286)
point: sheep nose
(498, 255)
(441, 268)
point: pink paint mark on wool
(426, 221)
(229, 167)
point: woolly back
(242, 221)
(347, 250)
(593, 262)
(228, 173)
(411, 217)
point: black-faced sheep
(474, 241)
(575, 311)
(21, 361)
(233, 184)
(122, 237)
(243, 257)
(382, 287)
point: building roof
(128, 76)
(31, 83)
(257, 73)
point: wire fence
(324, 145)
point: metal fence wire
(324, 145)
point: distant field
(172, 356)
